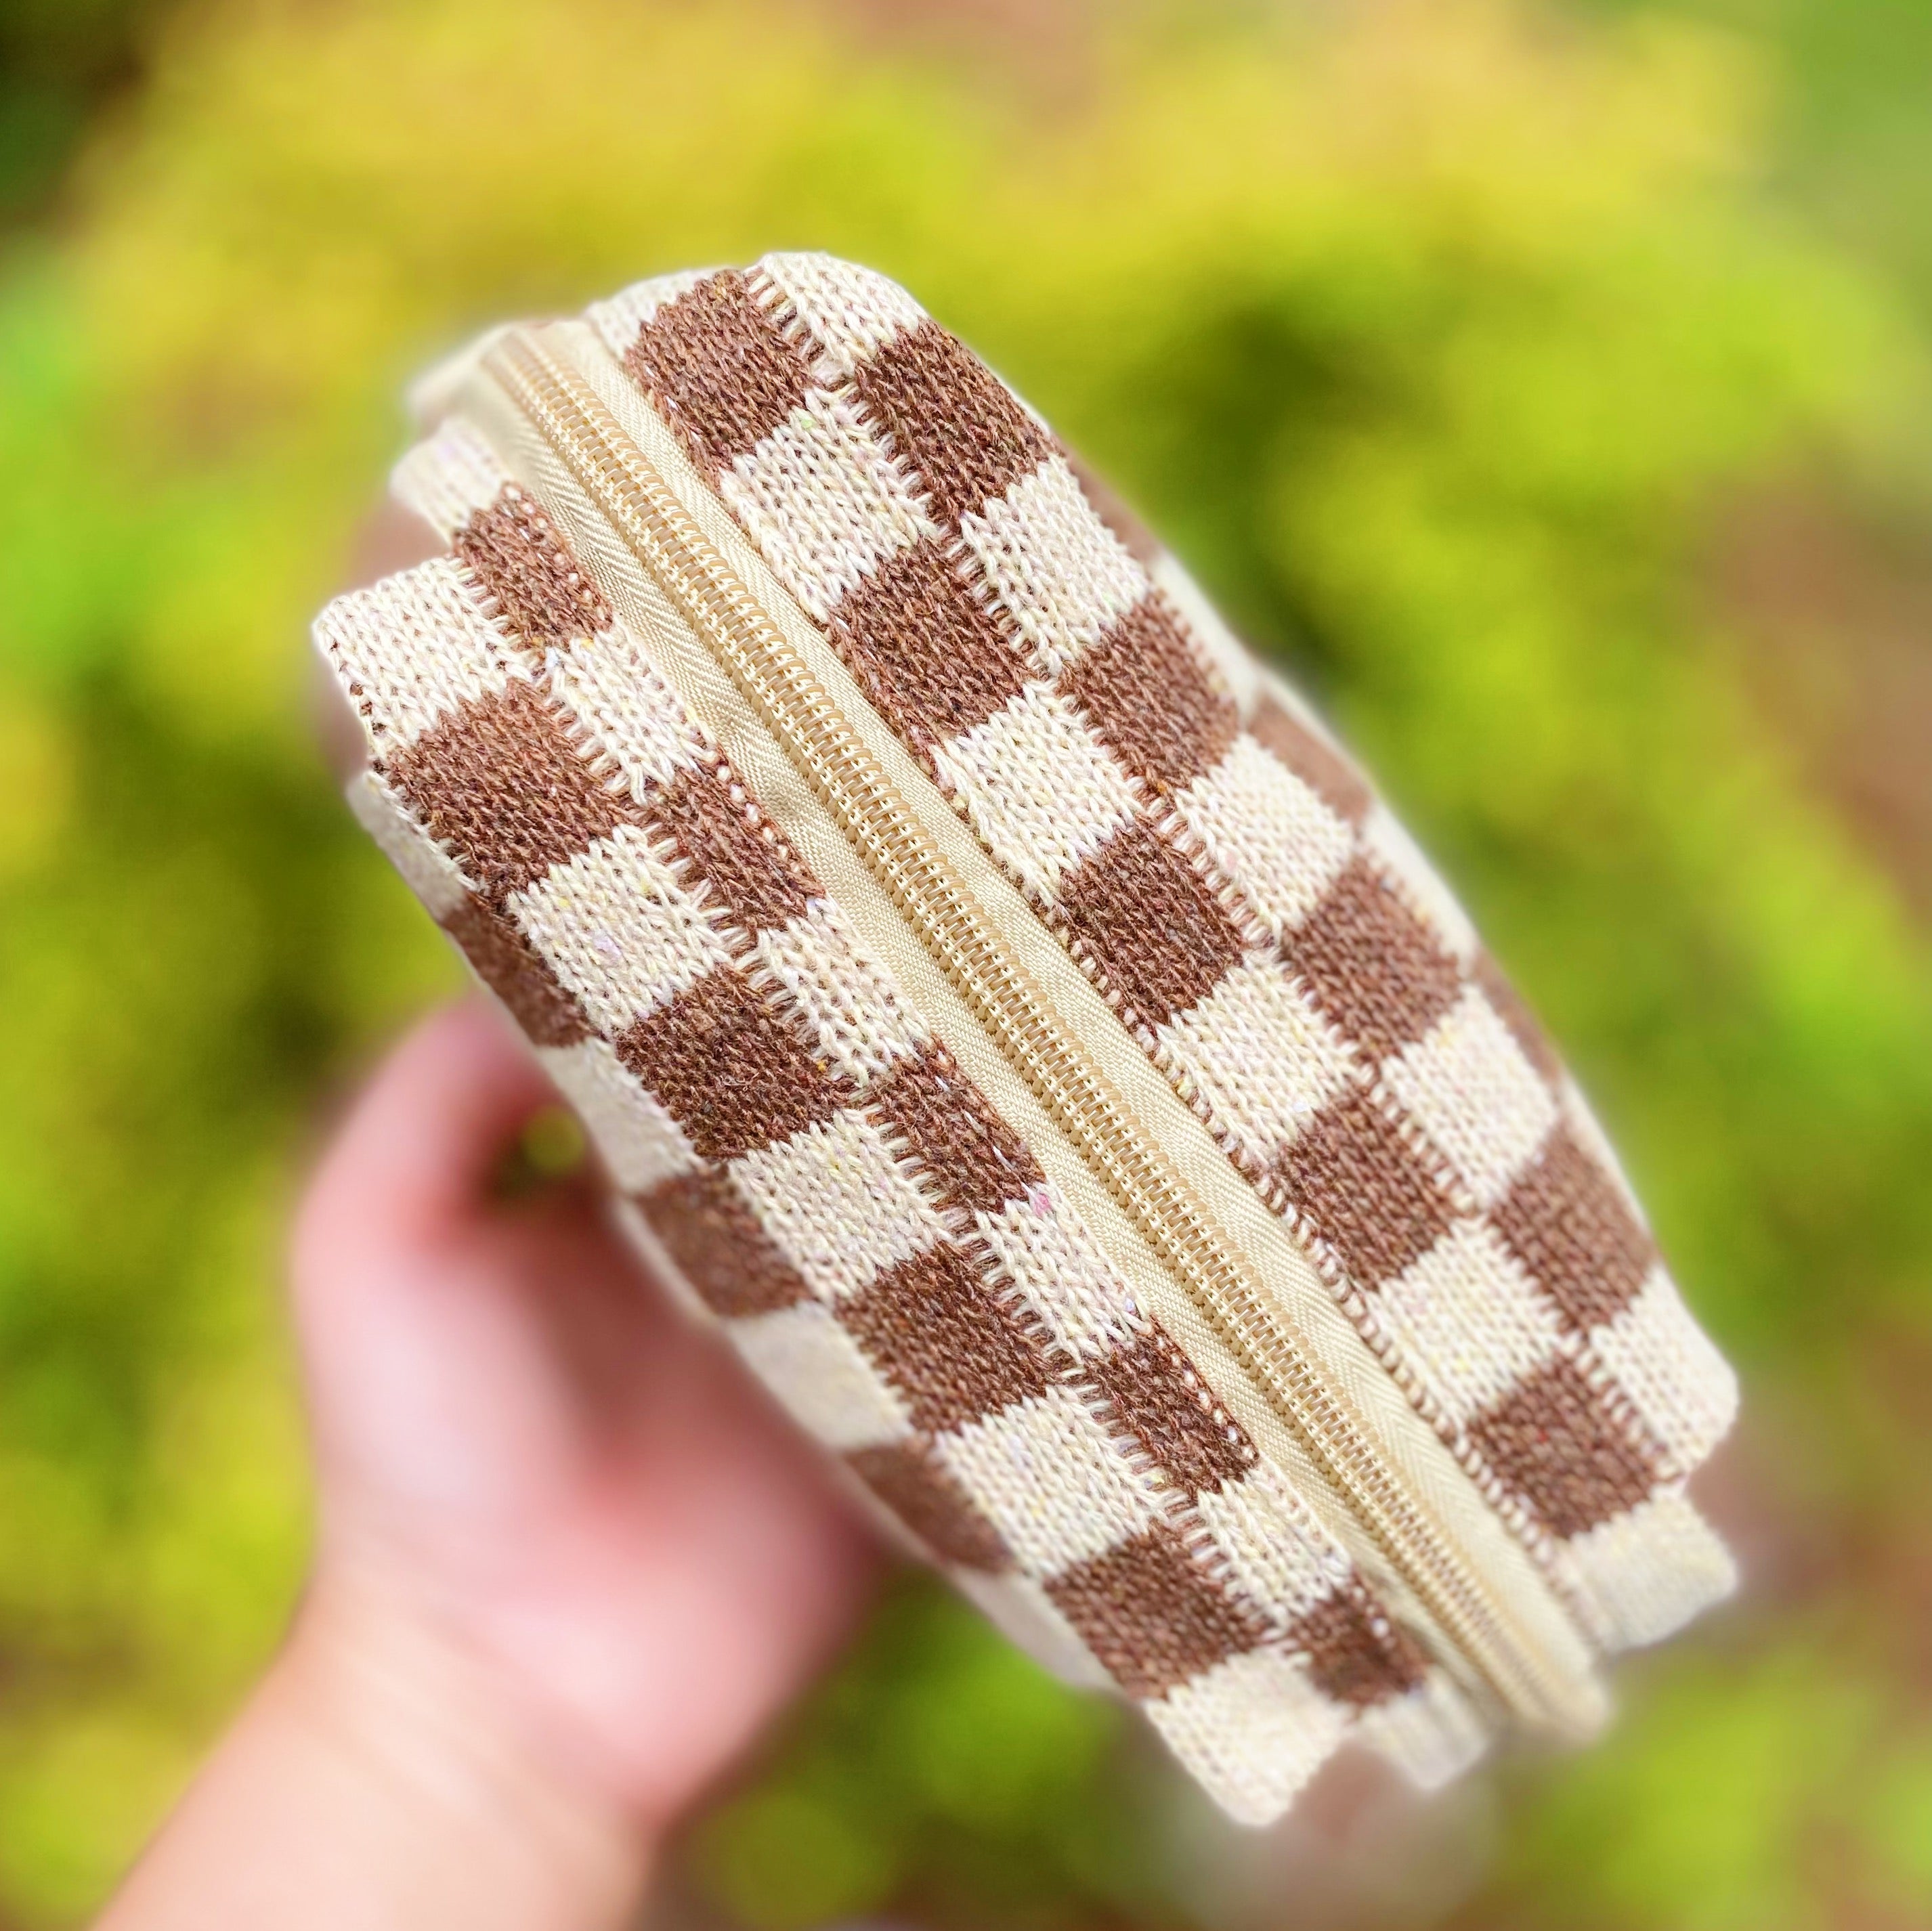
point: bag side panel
(884, 1250)
(1258, 920)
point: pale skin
(568, 1563)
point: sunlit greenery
(1440, 338)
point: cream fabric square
(1418, 882)
(1252, 1730)
(618, 929)
(1684, 1389)
(820, 1375)
(1467, 1085)
(1268, 833)
(1044, 1250)
(620, 320)
(639, 1141)
(628, 711)
(840, 992)
(1642, 1575)
(427, 869)
(1258, 1055)
(1055, 569)
(1037, 787)
(1431, 1735)
(1055, 1488)
(851, 313)
(414, 648)
(822, 501)
(449, 476)
(837, 1204)
(1277, 1552)
(1466, 1320)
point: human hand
(568, 1561)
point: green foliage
(1897, 1826)
(1721, 1802)
(1851, 146)
(59, 60)
(938, 1752)
(1435, 339)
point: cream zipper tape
(822, 743)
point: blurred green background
(1547, 386)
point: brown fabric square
(1556, 1444)
(1152, 1614)
(971, 1157)
(1373, 966)
(951, 419)
(732, 847)
(1322, 769)
(1513, 1011)
(727, 1068)
(1356, 1655)
(714, 1236)
(935, 1330)
(1364, 1191)
(1157, 934)
(1145, 689)
(718, 369)
(518, 974)
(500, 783)
(1568, 1223)
(911, 1483)
(1166, 1406)
(520, 558)
(926, 652)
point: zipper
(641, 507)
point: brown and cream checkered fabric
(1259, 923)
(884, 1251)
(800, 1144)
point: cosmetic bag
(1003, 1010)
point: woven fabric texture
(1258, 920)
(785, 1127)
(884, 1252)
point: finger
(432, 1395)
(416, 1159)
(393, 537)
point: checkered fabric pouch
(1004, 1012)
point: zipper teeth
(822, 741)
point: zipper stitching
(888, 835)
